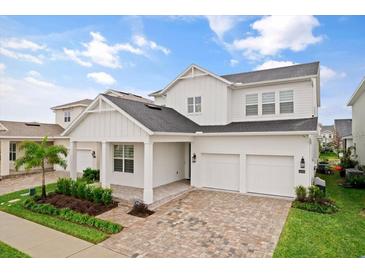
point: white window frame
(12, 152)
(67, 116)
(194, 104)
(286, 101)
(268, 103)
(248, 104)
(123, 157)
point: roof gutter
(200, 134)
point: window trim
(12, 152)
(67, 116)
(123, 158)
(194, 104)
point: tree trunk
(44, 194)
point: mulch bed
(140, 213)
(79, 205)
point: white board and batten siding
(358, 127)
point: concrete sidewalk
(42, 242)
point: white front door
(272, 175)
(84, 159)
(220, 171)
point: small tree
(38, 154)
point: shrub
(89, 193)
(63, 186)
(356, 181)
(106, 197)
(97, 194)
(301, 193)
(327, 207)
(81, 190)
(72, 216)
(91, 175)
(315, 194)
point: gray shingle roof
(130, 96)
(327, 128)
(85, 102)
(274, 73)
(343, 127)
(165, 119)
(27, 129)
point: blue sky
(50, 60)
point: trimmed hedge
(91, 175)
(72, 216)
(80, 189)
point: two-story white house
(253, 132)
(327, 134)
(357, 102)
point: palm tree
(38, 154)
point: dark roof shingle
(343, 127)
(165, 119)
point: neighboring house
(326, 134)
(357, 102)
(252, 132)
(13, 133)
(343, 133)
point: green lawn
(83, 232)
(331, 156)
(309, 234)
(7, 251)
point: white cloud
(101, 78)
(100, 52)
(2, 67)
(329, 74)
(274, 64)
(21, 56)
(277, 33)
(34, 73)
(220, 24)
(35, 78)
(21, 44)
(233, 62)
(143, 42)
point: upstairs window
(252, 101)
(124, 158)
(268, 103)
(286, 101)
(67, 116)
(194, 104)
(12, 152)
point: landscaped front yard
(7, 204)
(310, 234)
(7, 251)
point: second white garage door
(220, 171)
(84, 159)
(273, 175)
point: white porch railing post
(73, 160)
(148, 173)
(5, 163)
(104, 164)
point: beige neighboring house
(357, 102)
(13, 133)
(326, 134)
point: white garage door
(273, 175)
(84, 160)
(220, 171)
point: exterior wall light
(193, 158)
(93, 154)
(302, 163)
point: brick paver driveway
(26, 181)
(204, 224)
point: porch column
(73, 160)
(4, 158)
(104, 164)
(148, 173)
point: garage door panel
(273, 175)
(220, 171)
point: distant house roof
(29, 129)
(327, 128)
(165, 119)
(358, 92)
(281, 73)
(343, 127)
(84, 102)
(274, 73)
(128, 95)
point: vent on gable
(32, 124)
(153, 106)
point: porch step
(167, 199)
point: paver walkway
(42, 242)
(202, 224)
(26, 181)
